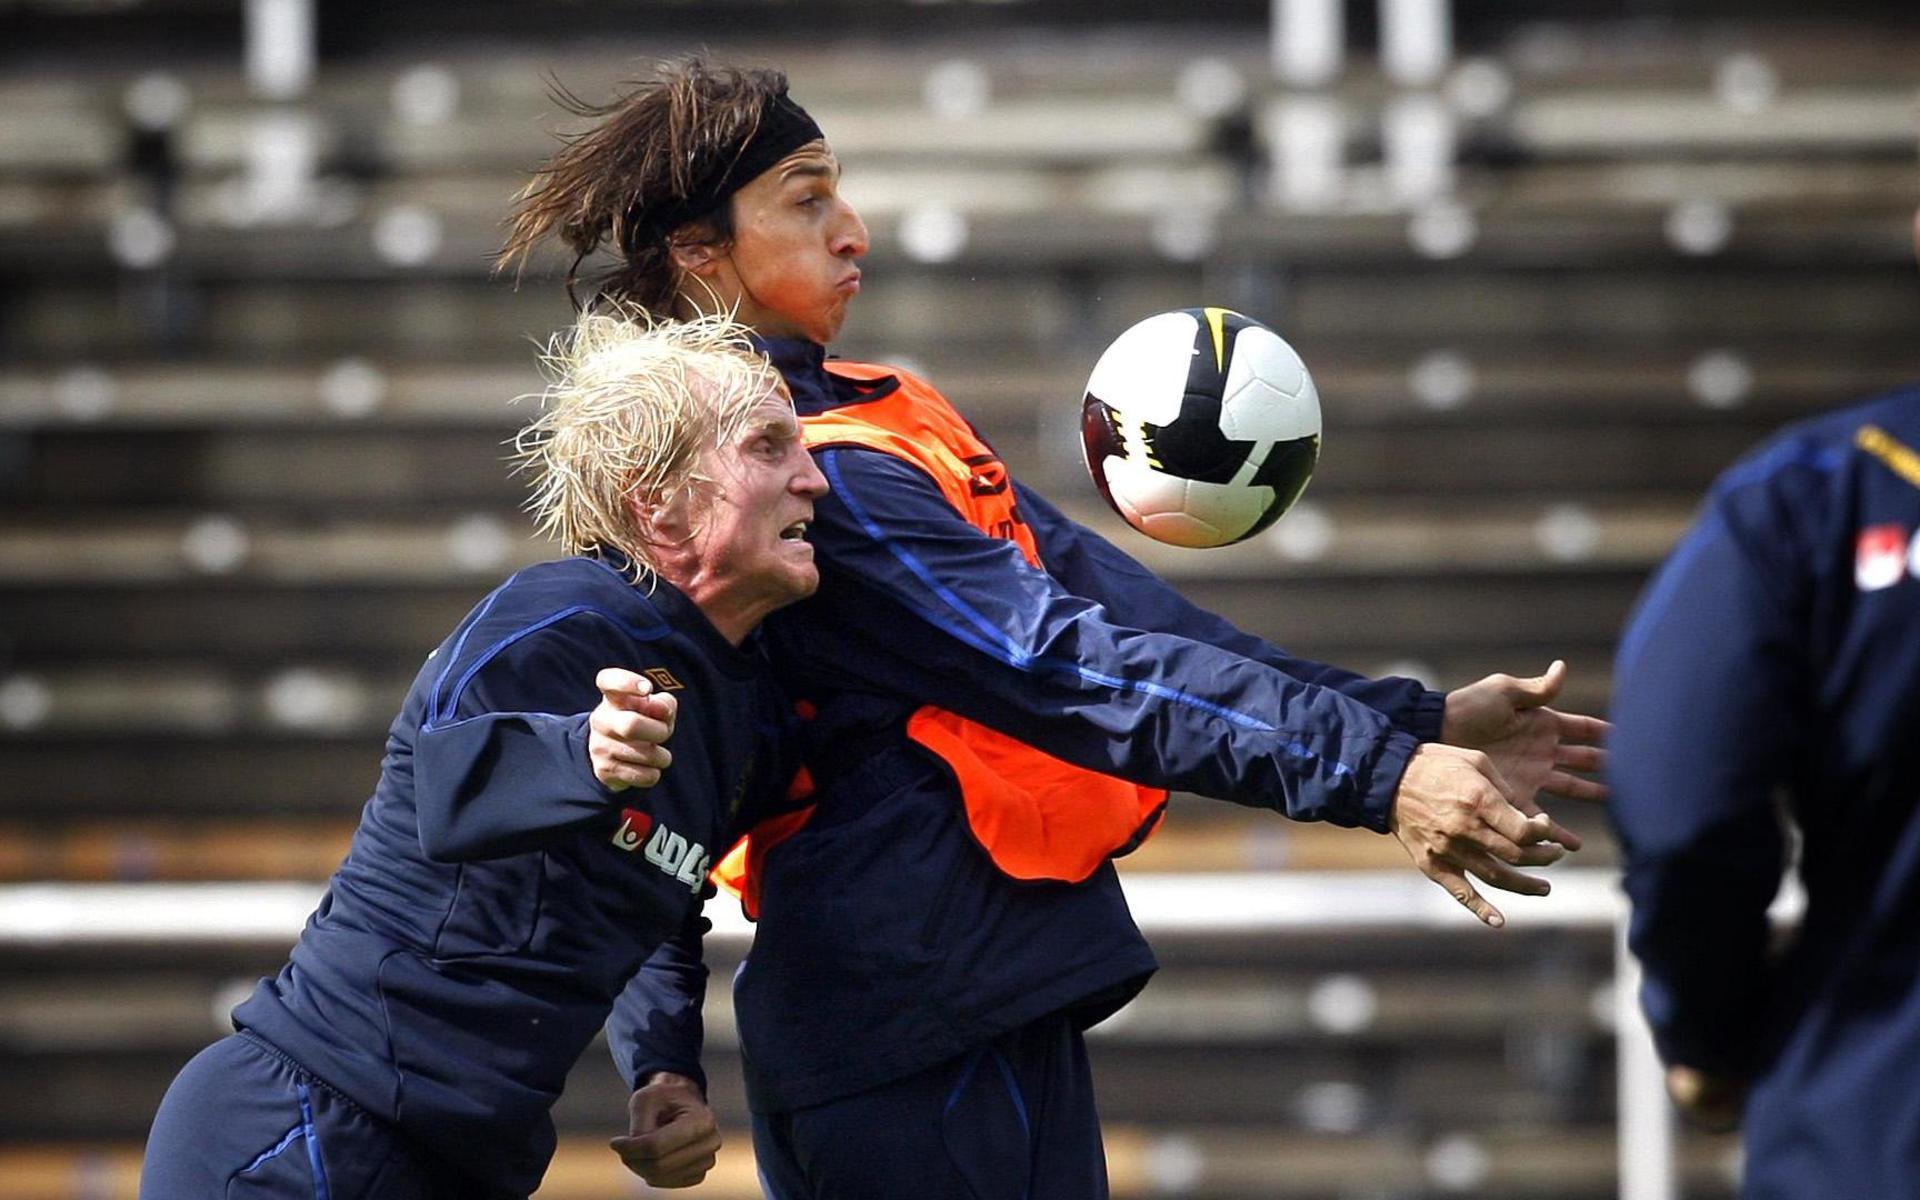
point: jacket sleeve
(1704, 692)
(656, 1023)
(946, 613)
(1089, 565)
(500, 761)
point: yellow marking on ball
(1217, 322)
(1146, 444)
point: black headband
(784, 127)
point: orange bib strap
(914, 423)
(1036, 815)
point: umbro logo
(686, 861)
(663, 679)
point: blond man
(507, 879)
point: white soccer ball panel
(1144, 372)
(1228, 507)
(1183, 512)
(1183, 530)
(1143, 491)
(1268, 394)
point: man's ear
(700, 251)
(645, 517)
(694, 258)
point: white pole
(282, 143)
(1309, 42)
(280, 47)
(1417, 134)
(1308, 149)
(1416, 40)
(1646, 1120)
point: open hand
(1535, 748)
(1455, 815)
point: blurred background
(1553, 265)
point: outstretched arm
(932, 608)
(1089, 565)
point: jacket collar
(815, 389)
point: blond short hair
(632, 404)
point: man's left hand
(672, 1140)
(1535, 748)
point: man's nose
(810, 482)
(850, 240)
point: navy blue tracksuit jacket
(888, 940)
(497, 899)
(1776, 656)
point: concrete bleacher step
(1371, 386)
(263, 844)
(1474, 307)
(1470, 623)
(1064, 236)
(1200, 1164)
(1341, 536)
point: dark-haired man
(1000, 699)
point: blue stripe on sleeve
(1006, 649)
(453, 656)
(452, 704)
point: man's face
(741, 550)
(790, 267)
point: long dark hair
(647, 150)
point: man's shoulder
(567, 594)
(1822, 446)
(1897, 413)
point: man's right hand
(627, 730)
(1456, 817)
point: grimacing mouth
(794, 532)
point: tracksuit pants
(244, 1121)
(1011, 1120)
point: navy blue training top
(497, 898)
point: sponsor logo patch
(1879, 557)
(634, 827)
(687, 862)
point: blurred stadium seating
(256, 380)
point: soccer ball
(1201, 427)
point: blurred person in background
(505, 883)
(999, 700)
(1776, 656)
